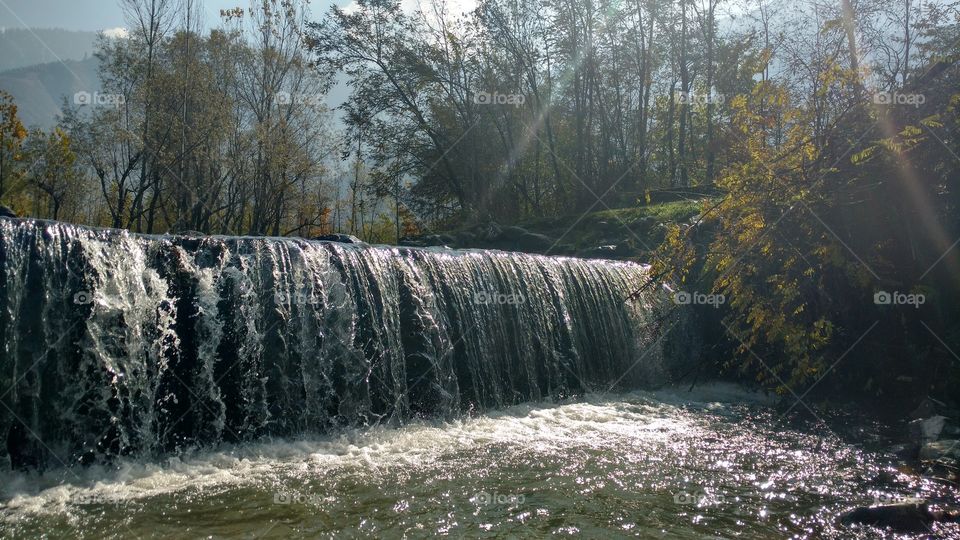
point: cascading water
(115, 344)
(158, 360)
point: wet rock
(513, 231)
(466, 239)
(7, 212)
(927, 408)
(446, 239)
(622, 247)
(515, 238)
(599, 252)
(189, 233)
(342, 238)
(911, 515)
(945, 449)
(906, 452)
(924, 430)
(489, 231)
(534, 242)
(437, 240)
(647, 222)
(410, 242)
(608, 227)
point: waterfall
(122, 344)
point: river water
(717, 462)
(182, 387)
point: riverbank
(619, 234)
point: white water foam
(652, 417)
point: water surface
(717, 462)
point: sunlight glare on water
(638, 465)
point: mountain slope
(39, 90)
(22, 47)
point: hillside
(39, 90)
(28, 47)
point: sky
(97, 15)
(92, 15)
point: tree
(12, 134)
(819, 221)
(55, 171)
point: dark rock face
(7, 212)
(24, 451)
(342, 238)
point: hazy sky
(97, 14)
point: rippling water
(717, 462)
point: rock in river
(947, 448)
(911, 515)
(342, 238)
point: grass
(664, 212)
(638, 225)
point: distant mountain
(39, 90)
(22, 47)
(38, 81)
